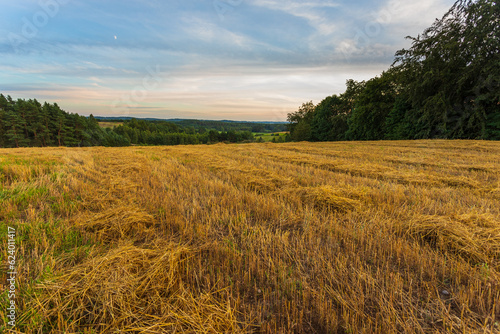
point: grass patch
(268, 137)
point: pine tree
(45, 131)
(15, 128)
(35, 122)
(58, 124)
(3, 110)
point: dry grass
(109, 124)
(376, 237)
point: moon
(116, 37)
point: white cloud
(311, 11)
(215, 69)
(382, 32)
(412, 17)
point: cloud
(412, 13)
(263, 60)
(403, 18)
(198, 29)
(314, 12)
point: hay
(262, 183)
(135, 289)
(216, 238)
(116, 223)
(328, 197)
(473, 237)
(495, 193)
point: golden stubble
(375, 237)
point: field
(267, 137)
(111, 125)
(375, 237)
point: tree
(329, 122)
(302, 131)
(58, 124)
(115, 140)
(35, 122)
(213, 136)
(451, 73)
(300, 122)
(4, 105)
(15, 128)
(321, 124)
(398, 123)
(367, 120)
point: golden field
(374, 237)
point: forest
(28, 123)
(445, 86)
(206, 125)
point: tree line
(446, 85)
(206, 125)
(28, 123)
(142, 132)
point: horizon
(118, 118)
(253, 60)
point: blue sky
(205, 59)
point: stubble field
(374, 237)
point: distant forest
(28, 123)
(446, 85)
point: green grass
(268, 137)
(22, 195)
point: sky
(252, 60)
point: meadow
(268, 137)
(357, 237)
(110, 125)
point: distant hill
(28, 123)
(217, 125)
(127, 118)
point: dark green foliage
(3, 107)
(368, 118)
(202, 126)
(29, 124)
(113, 139)
(15, 125)
(300, 122)
(325, 111)
(451, 72)
(26, 123)
(302, 132)
(398, 123)
(446, 85)
(329, 122)
(222, 126)
(141, 132)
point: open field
(375, 237)
(109, 124)
(267, 137)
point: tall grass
(376, 237)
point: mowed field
(374, 237)
(109, 124)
